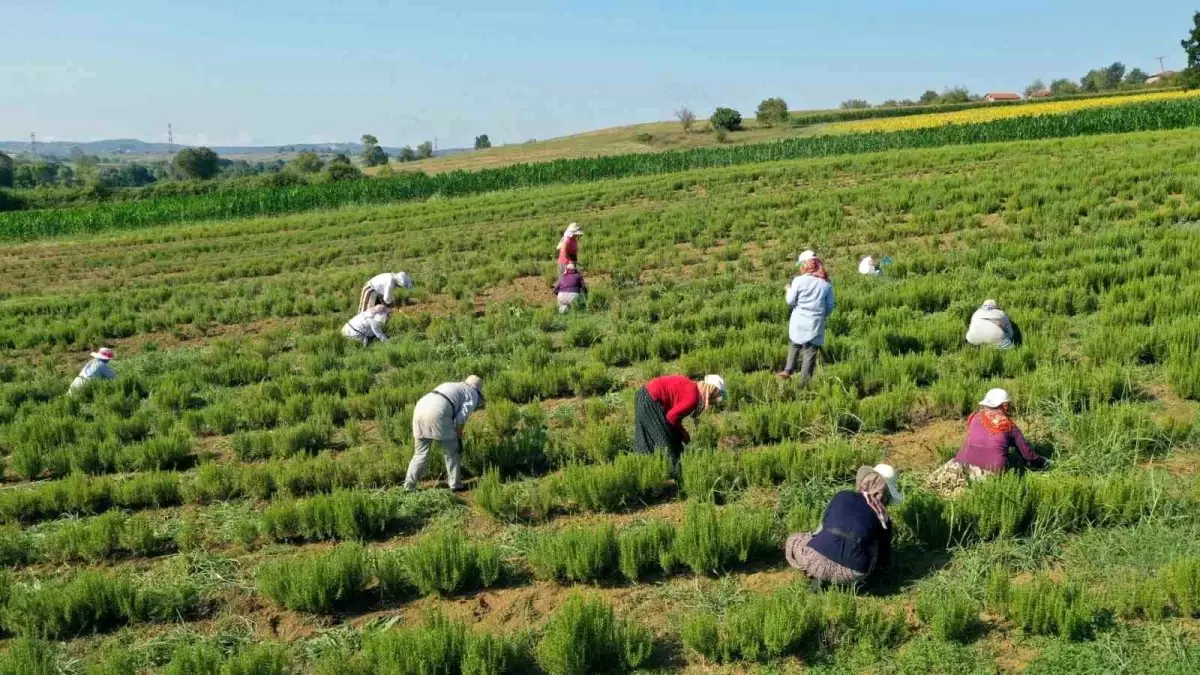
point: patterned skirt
(815, 565)
(650, 428)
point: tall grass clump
(629, 479)
(90, 602)
(317, 583)
(342, 515)
(446, 562)
(1043, 606)
(438, 646)
(644, 548)
(950, 615)
(31, 656)
(575, 554)
(584, 636)
(711, 540)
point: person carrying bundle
(95, 369)
(381, 289)
(854, 540)
(662, 405)
(990, 326)
(984, 452)
(568, 247)
(569, 288)
(368, 325)
(440, 416)
(810, 295)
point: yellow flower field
(1001, 111)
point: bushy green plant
(645, 548)
(711, 540)
(446, 562)
(951, 616)
(316, 583)
(584, 636)
(576, 554)
(94, 601)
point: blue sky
(267, 72)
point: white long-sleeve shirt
(366, 326)
(386, 284)
(94, 369)
(811, 300)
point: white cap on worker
(475, 382)
(994, 398)
(104, 354)
(807, 255)
(718, 382)
(403, 279)
(888, 474)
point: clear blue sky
(268, 72)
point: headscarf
(990, 304)
(815, 267)
(380, 311)
(709, 394)
(995, 420)
(402, 279)
(874, 489)
(570, 267)
(573, 230)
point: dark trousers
(808, 353)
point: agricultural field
(232, 503)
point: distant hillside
(131, 146)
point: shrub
(1045, 607)
(30, 656)
(446, 562)
(710, 540)
(611, 487)
(576, 554)
(438, 647)
(341, 515)
(316, 583)
(584, 636)
(951, 616)
(726, 118)
(94, 601)
(772, 111)
(508, 438)
(641, 549)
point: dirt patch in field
(918, 448)
(534, 290)
(1173, 407)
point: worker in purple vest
(570, 287)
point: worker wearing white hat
(984, 452)
(368, 325)
(440, 416)
(868, 266)
(95, 369)
(381, 289)
(855, 536)
(568, 247)
(660, 407)
(810, 295)
(990, 325)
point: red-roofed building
(1040, 93)
(993, 96)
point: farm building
(993, 96)
(1155, 79)
(1040, 93)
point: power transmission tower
(170, 140)
(1161, 70)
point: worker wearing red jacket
(661, 406)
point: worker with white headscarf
(95, 369)
(869, 267)
(381, 289)
(660, 407)
(368, 325)
(810, 295)
(568, 247)
(440, 416)
(990, 326)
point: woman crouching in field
(855, 537)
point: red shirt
(568, 252)
(679, 398)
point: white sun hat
(718, 382)
(402, 279)
(888, 474)
(807, 255)
(995, 398)
(104, 354)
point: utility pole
(435, 143)
(1161, 70)
(170, 140)
(33, 144)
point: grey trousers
(416, 467)
(809, 360)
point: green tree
(340, 171)
(772, 111)
(6, 171)
(372, 154)
(929, 97)
(854, 104)
(726, 118)
(407, 154)
(957, 94)
(1034, 87)
(425, 150)
(307, 162)
(200, 163)
(340, 158)
(1190, 77)
(482, 142)
(1063, 87)
(1136, 77)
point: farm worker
(440, 416)
(368, 325)
(569, 287)
(96, 368)
(869, 267)
(381, 289)
(568, 247)
(990, 326)
(805, 257)
(661, 406)
(855, 536)
(810, 295)
(990, 433)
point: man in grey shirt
(440, 416)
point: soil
(918, 448)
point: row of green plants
(19, 225)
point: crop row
(1170, 114)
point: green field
(231, 503)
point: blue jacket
(851, 534)
(811, 300)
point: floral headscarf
(874, 489)
(995, 420)
(815, 267)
